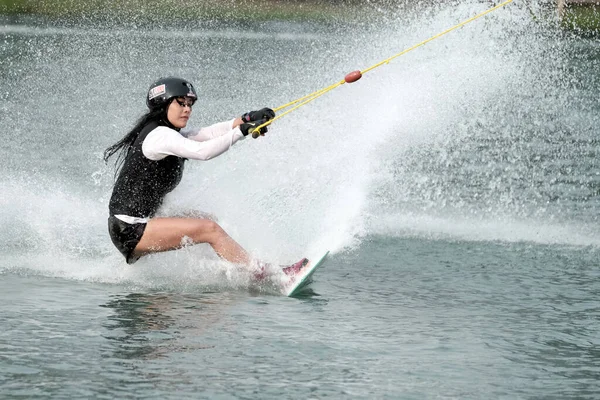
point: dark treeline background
(153, 10)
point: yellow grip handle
(256, 132)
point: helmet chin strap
(165, 119)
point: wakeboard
(304, 278)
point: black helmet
(165, 89)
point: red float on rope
(353, 76)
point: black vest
(142, 183)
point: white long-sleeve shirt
(196, 144)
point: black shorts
(125, 237)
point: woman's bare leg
(164, 234)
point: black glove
(263, 113)
(250, 127)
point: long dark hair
(124, 146)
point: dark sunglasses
(185, 102)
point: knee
(208, 231)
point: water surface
(457, 188)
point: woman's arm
(212, 131)
(221, 128)
(163, 142)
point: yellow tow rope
(356, 75)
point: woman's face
(179, 111)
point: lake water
(458, 189)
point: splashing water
(486, 134)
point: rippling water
(457, 187)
